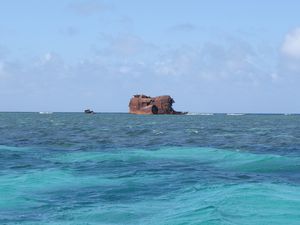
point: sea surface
(74, 168)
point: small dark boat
(88, 111)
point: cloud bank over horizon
(100, 54)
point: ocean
(110, 168)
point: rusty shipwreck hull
(143, 104)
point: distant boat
(88, 111)
(45, 112)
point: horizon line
(120, 112)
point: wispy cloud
(3, 52)
(183, 27)
(129, 64)
(128, 54)
(2, 70)
(124, 45)
(69, 31)
(215, 62)
(90, 7)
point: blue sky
(210, 56)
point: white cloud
(291, 44)
(289, 60)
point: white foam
(199, 114)
(235, 114)
(45, 112)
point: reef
(142, 104)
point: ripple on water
(119, 169)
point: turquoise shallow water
(72, 168)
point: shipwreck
(142, 104)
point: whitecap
(199, 114)
(45, 112)
(235, 114)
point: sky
(209, 55)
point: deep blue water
(73, 168)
